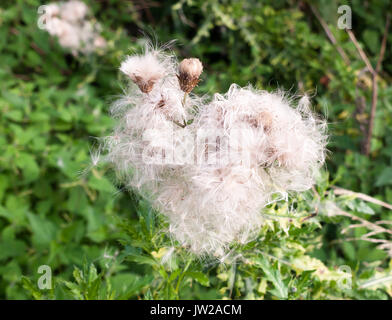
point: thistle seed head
(189, 73)
(147, 69)
(72, 23)
(211, 177)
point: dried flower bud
(145, 70)
(144, 86)
(190, 71)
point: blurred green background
(100, 240)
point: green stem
(182, 276)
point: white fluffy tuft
(69, 22)
(212, 178)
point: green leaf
(272, 274)
(4, 183)
(127, 285)
(44, 231)
(11, 248)
(132, 254)
(385, 178)
(199, 277)
(349, 250)
(101, 184)
(372, 40)
(364, 208)
(29, 286)
(28, 165)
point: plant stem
(184, 99)
(179, 124)
(182, 275)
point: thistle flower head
(189, 73)
(73, 10)
(211, 178)
(70, 23)
(144, 70)
(52, 9)
(147, 69)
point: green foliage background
(104, 243)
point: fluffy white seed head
(212, 178)
(70, 23)
(73, 10)
(145, 70)
(251, 146)
(52, 9)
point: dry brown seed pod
(189, 73)
(144, 86)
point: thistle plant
(210, 164)
(73, 25)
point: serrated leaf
(273, 275)
(101, 184)
(199, 277)
(29, 286)
(44, 231)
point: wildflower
(73, 10)
(69, 22)
(52, 10)
(189, 73)
(212, 177)
(144, 70)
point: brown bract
(189, 73)
(144, 86)
(187, 83)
